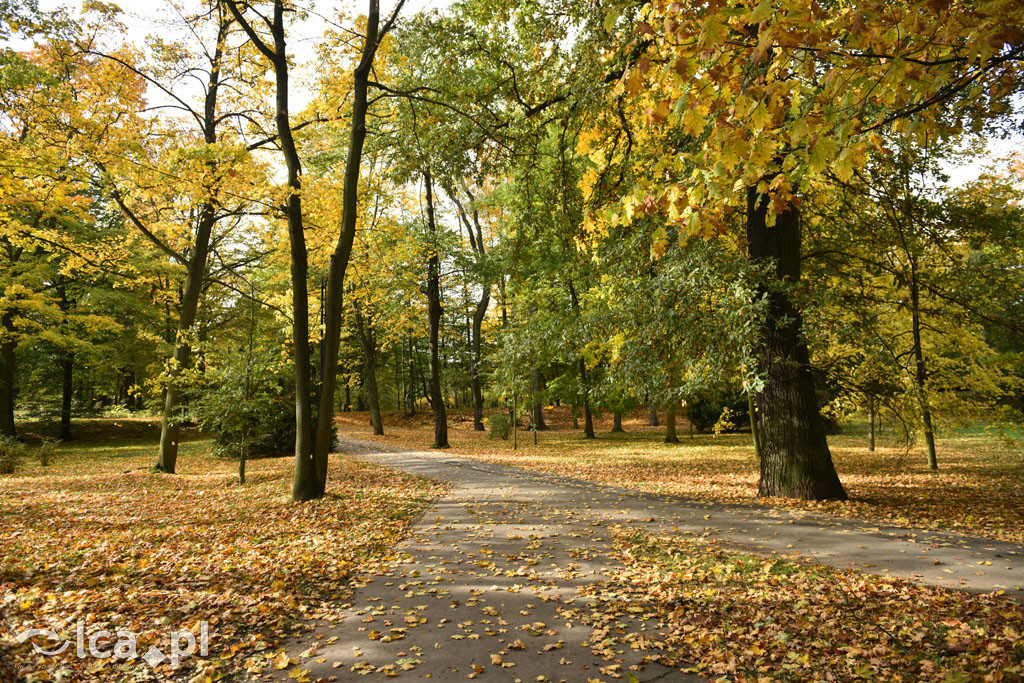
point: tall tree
(751, 104)
(312, 445)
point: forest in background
(712, 210)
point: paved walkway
(487, 587)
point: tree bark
(475, 358)
(537, 412)
(755, 428)
(67, 365)
(307, 483)
(670, 423)
(410, 394)
(921, 372)
(796, 462)
(169, 428)
(434, 313)
(343, 249)
(652, 415)
(871, 424)
(588, 418)
(195, 274)
(476, 241)
(617, 422)
(368, 342)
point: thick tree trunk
(795, 462)
(670, 423)
(652, 415)
(575, 416)
(537, 409)
(67, 366)
(617, 422)
(8, 360)
(434, 313)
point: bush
(46, 451)
(499, 426)
(10, 451)
(707, 413)
(251, 408)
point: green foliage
(499, 426)
(726, 412)
(249, 408)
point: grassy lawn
(751, 618)
(979, 488)
(96, 537)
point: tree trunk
(871, 424)
(575, 416)
(796, 462)
(67, 366)
(169, 428)
(476, 241)
(670, 423)
(343, 249)
(195, 274)
(124, 395)
(537, 412)
(921, 373)
(617, 422)
(368, 342)
(475, 356)
(7, 368)
(588, 418)
(652, 415)
(410, 394)
(306, 484)
(434, 313)
(755, 428)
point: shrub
(46, 451)
(10, 451)
(709, 413)
(246, 408)
(499, 426)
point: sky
(144, 18)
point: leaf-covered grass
(978, 490)
(96, 536)
(752, 618)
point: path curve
(498, 559)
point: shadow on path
(486, 587)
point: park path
(487, 584)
